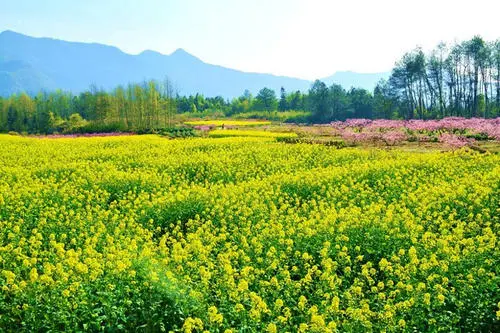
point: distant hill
(32, 64)
(350, 79)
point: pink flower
(454, 141)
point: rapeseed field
(245, 234)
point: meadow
(245, 234)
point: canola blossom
(245, 234)
(221, 133)
(228, 122)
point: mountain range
(32, 64)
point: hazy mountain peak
(180, 53)
(350, 79)
(9, 32)
(31, 64)
(151, 53)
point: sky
(308, 39)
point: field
(228, 122)
(219, 133)
(245, 234)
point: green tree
(266, 100)
(283, 104)
(361, 102)
(340, 108)
(319, 99)
(385, 101)
(295, 101)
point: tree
(340, 107)
(319, 102)
(76, 121)
(496, 75)
(361, 102)
(103, 108)
(477, 53)
(436, 76)
(120, 106)
(295, 101)
(168, 103)
(3, 114)
(385, 101)
(12, 118)
(266, 100)
(283, 104)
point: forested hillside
(452, 80)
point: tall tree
(266, 100)
(319, 98)
(283, 104)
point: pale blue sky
(302, 38)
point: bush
(477, 136)
(92, 127)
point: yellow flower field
(227, 122)
(245, 234)
(222, 133)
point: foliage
(139, 106)
(171, 132)
(290, 116)
(266, 100)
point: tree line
(462, 79)
(458, 80)
(143, 106)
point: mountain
(350, 79)
(33, 64)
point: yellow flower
(214, 316)
(271, 328)
(317, 322)
(302, 302)
(191, 324)
(10, 276)
(33, 275)
(242, 286)
(278, 304)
